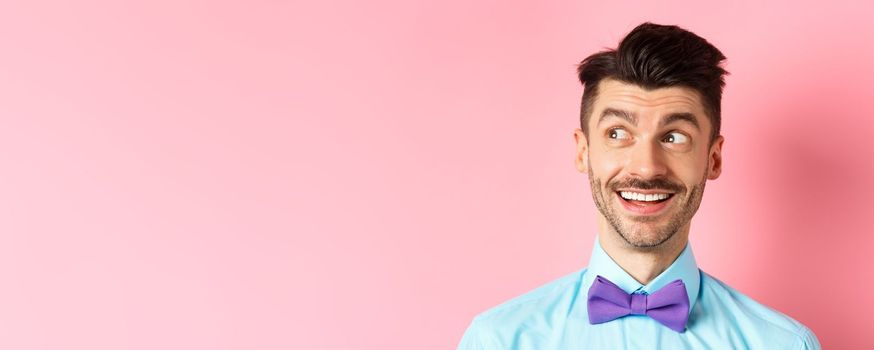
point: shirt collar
(684, 268)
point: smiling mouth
(644, 198)
(640, 203)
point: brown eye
(676, 137)
(618, 134)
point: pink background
(372, 174)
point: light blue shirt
(554, 316)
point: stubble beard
(641, 236)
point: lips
(643, 203)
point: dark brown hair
(654, 56)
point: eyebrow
(675, 117)
(632, 119)
(612, 112)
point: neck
(644, 264)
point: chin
(646, 236)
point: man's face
(648, 156)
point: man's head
(649, 130)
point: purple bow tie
(668, 305)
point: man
(649, 140)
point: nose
(647, 161)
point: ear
(582, 158)
(715, 160)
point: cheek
(690, 171)
(606, 163)
(604, 166)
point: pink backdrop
(372, 174)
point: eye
(676, 137)
(618, 134)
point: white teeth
(643, 197)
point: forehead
(647, 103)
